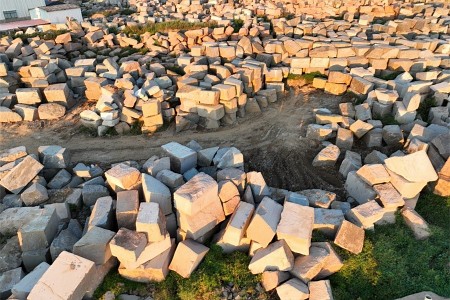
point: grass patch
(394, 264)
(89, 131)
(387, 120)
(153, 28)
(237, 25)
(176, 69)
(424, 108)
(217, 269)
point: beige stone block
(187, 257)
(276, 257)
(263, 226)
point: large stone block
(94, 245)
(54, 156)
(182, 158)
(263, 226)
(21, 174)
(350, 237)
(123, 176)
(196, 194)
(258, 185)
(127, 208)
(102, 214)
(40, 232)
(22, 289)
(293, 289)
(151, 221)
(156, 192)
(78, 273)
(306, 267)
(296, 226)
(127, 245)
(239, 221)
(187, 257)
(276, 257)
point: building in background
(13, 10)
(57, 13)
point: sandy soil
(272, 142)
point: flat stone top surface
(178, 150)
(148, 213)
(415, 167)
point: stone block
(328, 221)
(373, 174)
(151, 220)
(306, 267)
(39, 232)
(123, 176)
(333, 263)
(22, 289)
(154, 165)
(366, 214)
(358, 189)
(276, 257)
(156, 192)
(416, 223)
(350, 237)
(360, 128)
(78, 273)
(272, 279)
(94, 245)
(258, 185)
(92, 192)
(127, 208)
(320, 290)
(20, 175)
(327, 157)
(263, 226)
(181, 157)
(239, 221)
(102, 214)
(35, 194)
(296, 226)
(127, 245)
(293, 289)
(8, 280)
(187, 257)
(196, 194)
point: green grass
(394, 264)
(424, 108)
(237, 25)
(153, 28)
(205, 283)
(387, 120)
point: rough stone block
(94, 245)
(187, 257)
(263, 226)
(350, 237)
(276, 257)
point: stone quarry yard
(392, 264)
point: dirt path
(273, 142)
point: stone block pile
(155, 217)
(39, 79)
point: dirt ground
(273, 142)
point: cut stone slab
(406, 188)
(389, 196)
(276, 257)
(123, 176)
(413, 167)
(127, 208)
(239, 221)
(22, 289)
(40, 232)
(360, 128)
(63, 242)
(333, 263)
(296, 226)
(155, 191)
(54, 156)
(272, 279)
(150, 251)
(92, 192)
(258, 185)
(263, 226)
(187, 257)
(78, 273)
(127, 245)
(182, 158)
(196, 194)
(327, 157)
(319, 198)
(328, 221)
(8, 280)
(154, 165)
(320, 290)
(350, 237)
(94, 245)
(13, 154)
(358, 189)
(293, 289)
(373, 174)
(155, 269)
(21, 174)
(12, 219)
(151, 221)
(416, 223)
(366, 214)
(102, 213)
(306, 267)
(35, 194)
